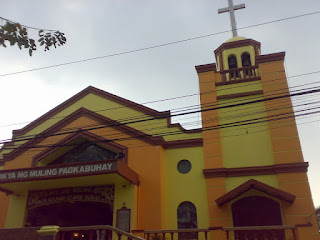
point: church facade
(99, 159)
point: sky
(102, 28)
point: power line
(143, 118)
(194, 94)
(155, 46)
(42, 136)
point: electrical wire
(155, 46)
(252, 121)
(190, 95)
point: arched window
(232, 61)
(245, 58)
(187, 215)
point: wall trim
(270, 57)
(206, 68)
(258, 170)
(238, 95)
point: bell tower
(251, 146)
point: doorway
(70, 214)
(256, 211)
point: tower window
(232, 61)
(245, 58)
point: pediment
(81, 147)
(104, 121)
(254, 184)
(98, 92)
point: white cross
(231, 10)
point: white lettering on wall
(56, 171)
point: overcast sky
(100, 28)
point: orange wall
(143, 158)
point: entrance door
(69, 214)
(257, 211)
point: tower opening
(232, 61)
(245, 58)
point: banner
(103, 194)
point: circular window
(184, 166)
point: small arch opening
(232, 62)
(245, 58)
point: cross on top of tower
(231, 10)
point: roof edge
(252, 183)
(78, 96)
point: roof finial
(231, 10)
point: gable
(56, 130)
(77, 147)
(115, 110)
(254, 184)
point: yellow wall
(124, 193)
(114, 111)
(185, 187)
(247, 145)
(233, 182)
(16, 210)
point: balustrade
(250, 72)
(261, 233)
(181, 234)
(103, 232)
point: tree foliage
(14, 33)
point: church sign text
(57, 171)
(104, 194)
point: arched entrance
(256, 211)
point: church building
(99, 159)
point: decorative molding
(236, 44)
(238, 81)
(252, 183)
(107, 122)
(197, 142)
(92, 115)
(238, 95)
(83, 93)
(270, 57)
(206, 68)
(87, 136)
(178, 125)
(259, 170)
